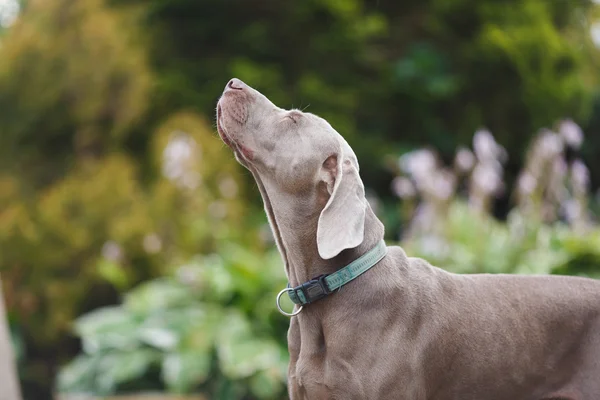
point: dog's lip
(220, 128)
(241, 151)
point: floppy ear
(342, 221)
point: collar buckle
(315, 289)
(310, 291)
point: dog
(403, 329)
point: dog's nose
(235, 84)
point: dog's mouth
(243, 153)
(222, 132)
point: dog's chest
(334, 363)
(320, 377)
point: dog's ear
(342, 221)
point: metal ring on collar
(279, 305)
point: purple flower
(549, 144)
(418, 163)
(571, 133)
(487, 179)
(580, 174)
(403, 187)
(464, 160)
(526, 184)
(486, 148)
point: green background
(92, 92)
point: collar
(323, 285)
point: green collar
(323, 285)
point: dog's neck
(294, 227)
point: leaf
(167, 330)
(216, 277)
(161, 338)
(102, 320)
(183, 371)
(107, 328)
(267, 384)
(159, 294)
(241, 353)
(113, 273)
(242, 359)
(78, 375)
(203, 331)
(123, 367)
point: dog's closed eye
(294, 116)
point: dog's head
(299, 154)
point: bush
(76, 244)
(212, 328)
(550, 229)
(475, 243)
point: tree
(389, 75)
(72, 84)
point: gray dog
(402, 330)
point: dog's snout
(235, 84)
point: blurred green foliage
(110, 172)
(214, 329)
(387, 74)
(55, 246)
(73, 83)
(211, 328)
(70, 95)
(472, 242)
